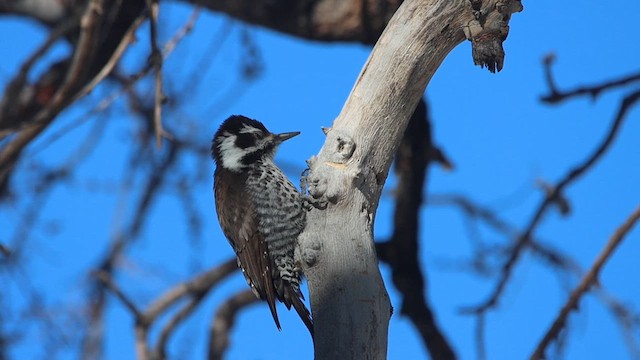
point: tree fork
(350, 305)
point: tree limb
(324, 20)
(550, 199)
(350, 305)
(556, 96)
(587, 281)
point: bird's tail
(271, 300)
(293, 296)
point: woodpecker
(260, 211)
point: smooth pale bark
(350, 304)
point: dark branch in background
(155, 169)
(14, 105)
(351, 20)
(156, 60)
(224, 320)
(122, 240)
(555, 96)
(100, 24)
(106, 280)
(323, 20)
(552, 196)
(589, 280)
(4, 250)
(627, 319)
(193, 290)
(401, 251)
(89, 25)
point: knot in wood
(316, 185)
(343, 144)
(311, 252)
(488, 30)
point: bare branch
(587, 281)
(550, 199)
(224, 320)
(5, 251)
(105, 278)
(90, 23)
(188, 26)
(156, 62)
(199, 285)
(555, 96)
(324, 20)
(352, 167)
(627, 319)
(127, 39)
(11, 104)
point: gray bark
(350, 304)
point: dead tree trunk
(350, 305)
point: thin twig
(105, 279)
(127, 39)
(156, 60)
(15, 86)
(5, 251)
(141, 331)
(587, 281)
(188, 26)
(555, 96)
(626, 318)
(574, 174)
(198, 285)
(89, 25)
(196, 288)
(81, 62)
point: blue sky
(493, 127)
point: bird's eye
(244, 141)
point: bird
(260, 211)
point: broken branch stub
(488, 30)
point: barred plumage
(260, 211)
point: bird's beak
(285, 136)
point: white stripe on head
(248, 129)
(230, 154)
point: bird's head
(241, 142)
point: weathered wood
(350, 305)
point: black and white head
(241, 142)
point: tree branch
(550, 199)
(200, 284)
(97, 47)
(351, 169)
(555, 96)
(90, 23)
(105, 278)
(587, 281)
(324, 20)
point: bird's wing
(239, 223)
